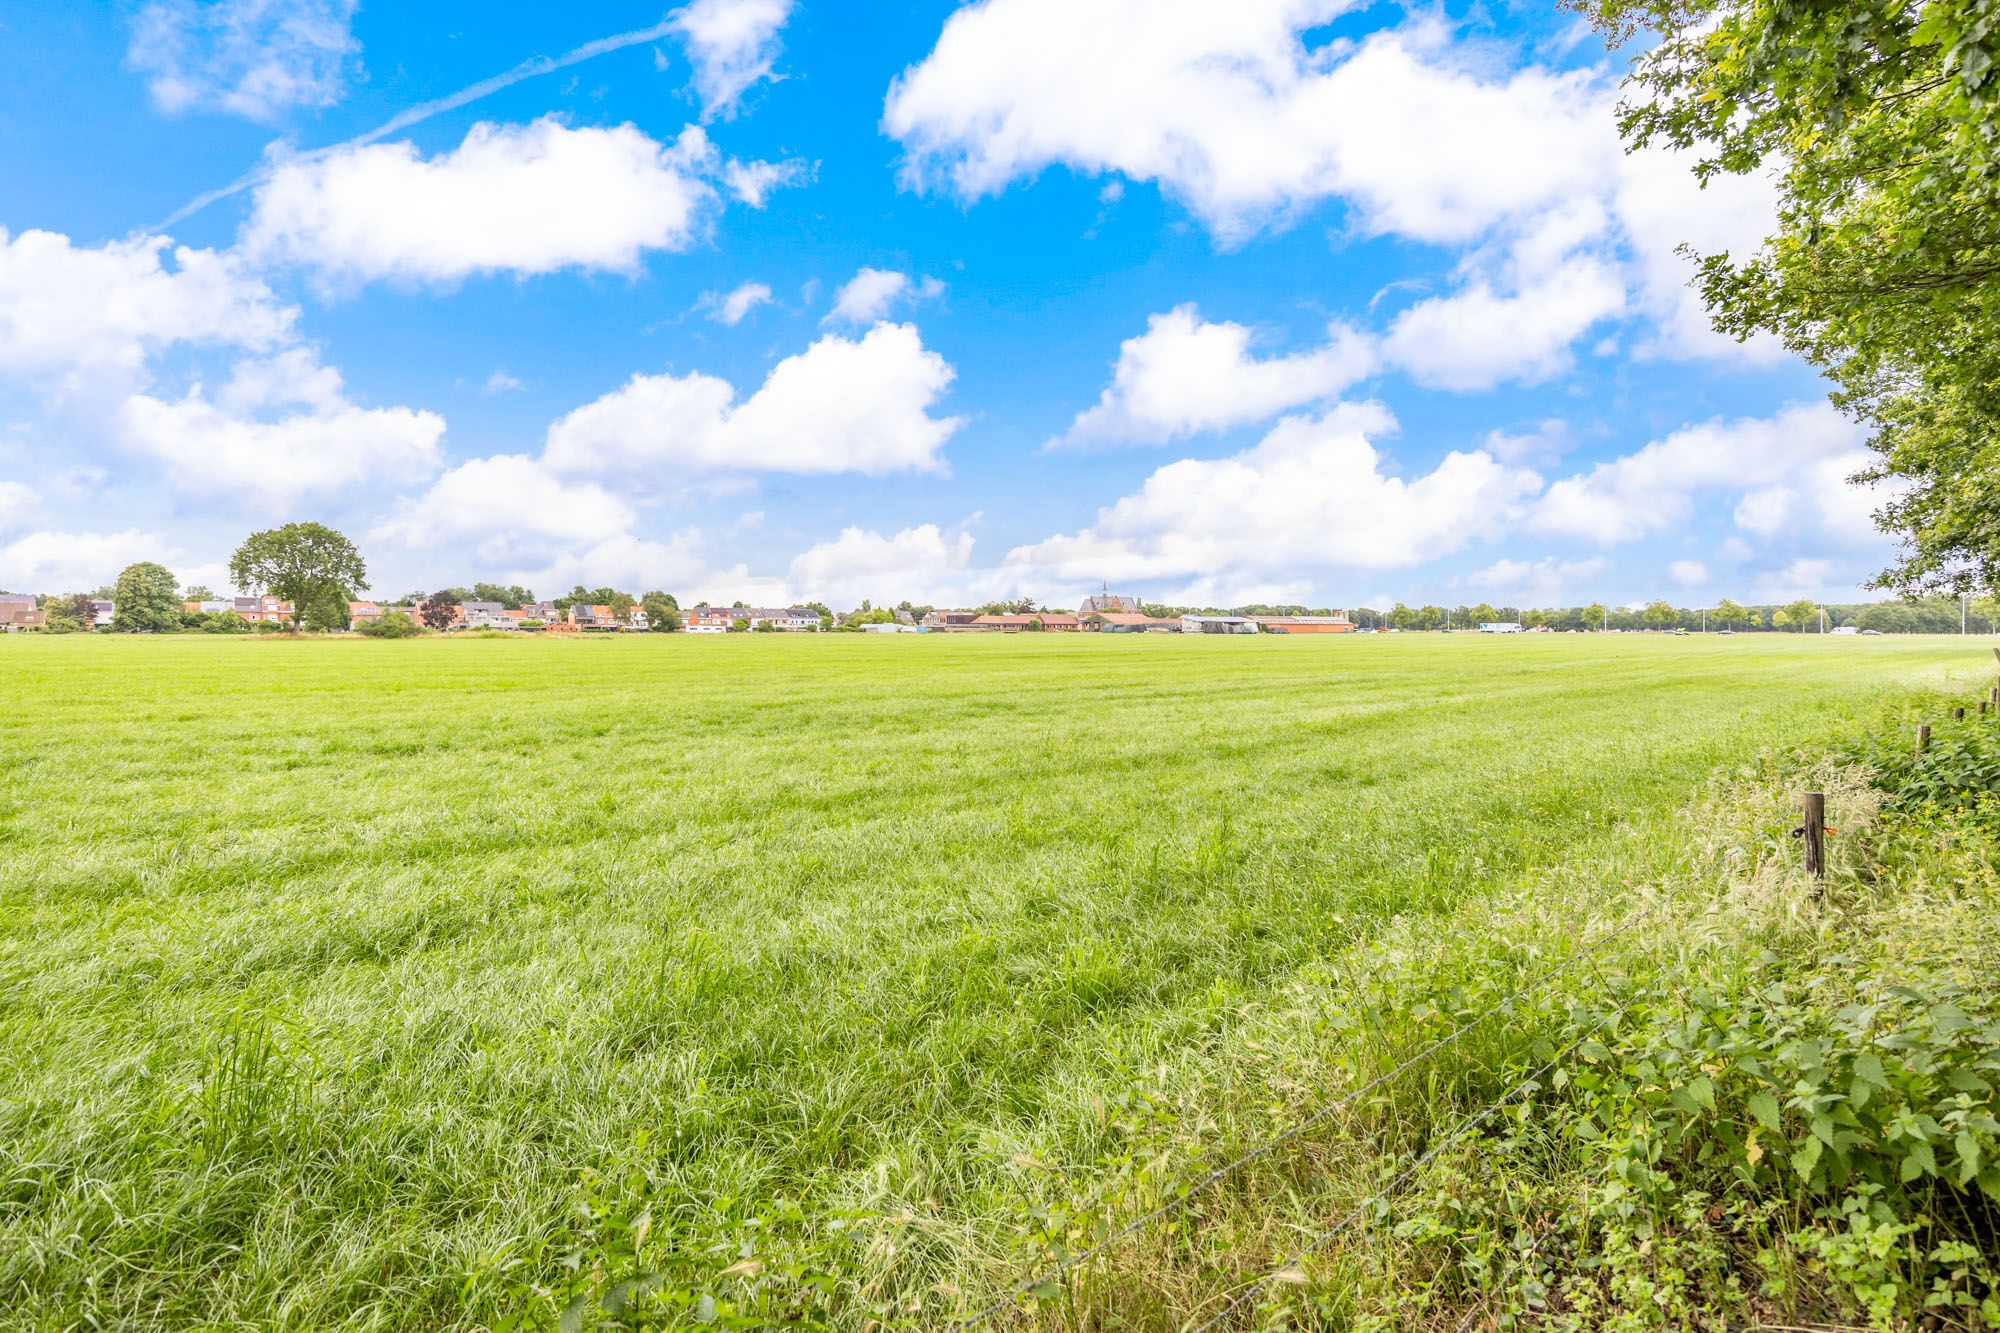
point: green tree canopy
(512, 596)
(145, 599)
(663, 613)
(302, 563)
(1879, 120)
(1659, 615)
(1729, 613)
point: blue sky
(772, 299)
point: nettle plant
(1875, 1117)
(1958, 771)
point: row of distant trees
(318, 571)
(1922, 615)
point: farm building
(1219, 625)
(1304, 624)
(1059, 621)
(1128, 622)
(1108, 601)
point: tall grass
(429, 984)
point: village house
(790, 618)
(586, 616)
(951, 620)
(637, 619)
(104, 611)
(364, 613)
(19, 614)
(266, 610)
(709, 619)
(214, 607)
(543, 611)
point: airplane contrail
(527, 69)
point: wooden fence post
(1923, 738)
(1816, 834)
(1958, 713)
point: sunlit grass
(331, 968)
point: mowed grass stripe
(818, 918)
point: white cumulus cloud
(506, 504)
(872, 292)
(281, 429)
(1228, 110)
(1185, 375)
(51, 562)
(753, 183)
(523, 199)
(1477, 338)
(1547, 582)
(1312, 495)
(733, 45)
(842, 405)
(73, 315)
(1653, 489)
(924, 564)
(730, 307)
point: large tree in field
(145, 599)
(1661, 614)
(1880, 122)
(1729, 613)
(303, 563)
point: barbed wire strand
(1486, 1304)
(1403, 1177)
(1016, 1292)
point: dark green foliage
(145, 601)
(389, 625)
(307, 564)
(1881, 121)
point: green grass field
(355, 984)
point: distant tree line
(1920, 615)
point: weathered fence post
(1958, 713)
(1923, 737)
(1815, 832)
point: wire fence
(1396, 1183)
(1208, 1180)
(1812, 832)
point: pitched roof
(1046, 617)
